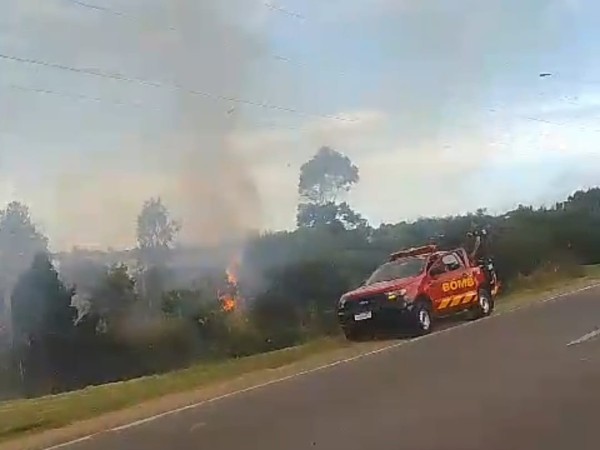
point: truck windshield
(402, 268)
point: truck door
(454, 287)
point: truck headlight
(395, 295)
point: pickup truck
(416, 287)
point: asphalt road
(508, 382)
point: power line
(285, 11)
(263, 125)
(74, 96)
(168, 27)
(545, 121)
(156, 84)
(113, 12)
(174, 86)
(533, 119)
(558, 77)
(105, 9)
(97, 8)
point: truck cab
(416, 287)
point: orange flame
(229, 303)
(230, 300)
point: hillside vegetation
(147, 317)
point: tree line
(71, 325)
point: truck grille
(365, 304)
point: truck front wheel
(422, 317)
(353, 332)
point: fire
(229, 303)
(231, 277)
(230, 299)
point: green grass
(23, 417)
(592, 271)
(544, 284)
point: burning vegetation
(230, 297)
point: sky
(215, 104)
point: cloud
(356, 131)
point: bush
(547, 274)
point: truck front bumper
(374, 312)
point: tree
(41, 304)
(20, 241)
(156, 231)
(323, 180)
(326, 176)
(340, 217)
(114, 296)
(43, 320)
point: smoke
(433, 69)
(104, 158)
(215, 193)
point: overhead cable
(156, 84)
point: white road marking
(309, 371)
(68, 444)
(196, 426)
(585, 337)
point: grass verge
(24, 417)
(544, 284)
